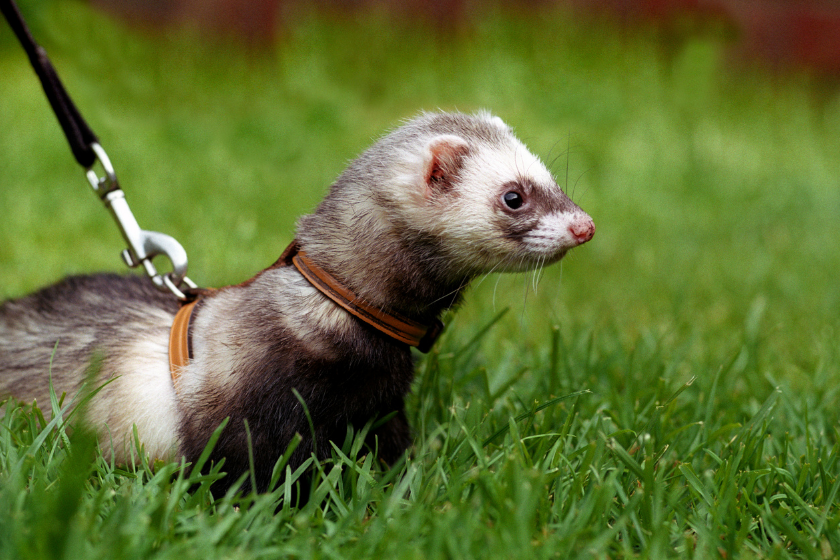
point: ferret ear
(445, 158)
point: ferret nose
(582, 229)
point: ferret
(440, 200)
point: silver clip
(143, 245)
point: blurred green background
(701, 136)
(713, 181)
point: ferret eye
(513, 200)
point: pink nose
(582, 229)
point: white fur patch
(143, 395)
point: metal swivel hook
(143, 245)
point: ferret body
(438, 201)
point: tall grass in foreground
(655, 470)
(671, 390)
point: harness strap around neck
(396, 326)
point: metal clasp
(143, 245)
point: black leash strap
(77, 131)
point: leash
(143, 245)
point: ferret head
(447, 196)
(469, 183)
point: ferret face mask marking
(406, 226)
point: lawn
(669, 390)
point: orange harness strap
(396, 326)
(179, 343)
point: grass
(670, 390)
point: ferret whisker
(578, 180)
(488, 273)
(496, 287)
(553, 161)
(452, 293)
(534, 277)
(568, 158)
(525, 286)
(538, 270)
